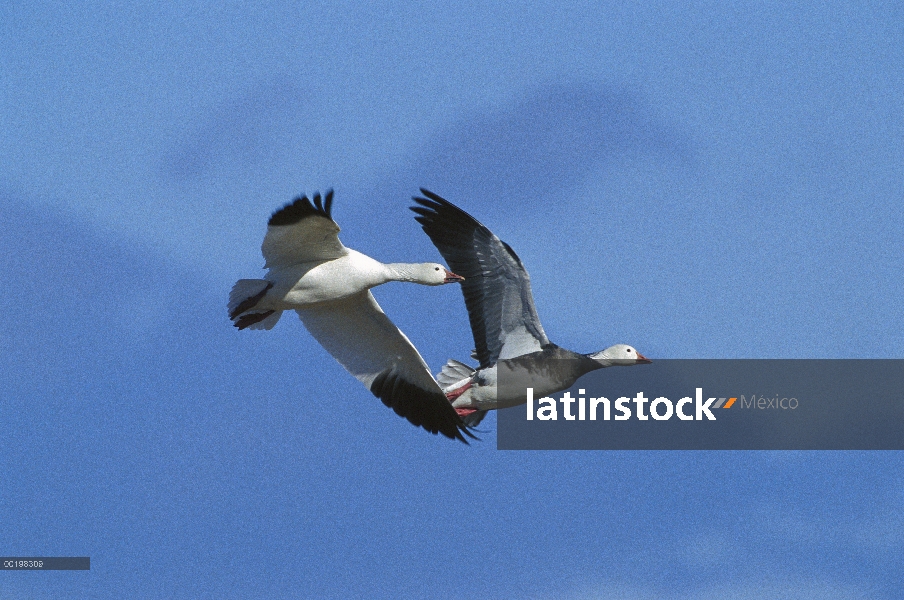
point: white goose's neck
(401, 272)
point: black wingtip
(467, 432)
(328, 203)
(434, 197)
(429, 207)
(462, 429)
(421, 408)
(430, 200)
(433, 206)
(302, 208)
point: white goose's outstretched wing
(301, 232)
(364, 341)
(496, 288)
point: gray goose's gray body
(510, 345)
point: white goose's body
(326, 281)
(328, 285)
(301, 285)
(510, 344)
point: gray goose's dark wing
(497, 292)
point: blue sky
(700, 181)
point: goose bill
(452, 277)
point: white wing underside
(313, 238)
(359, 335)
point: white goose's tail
(244, 297)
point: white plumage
(311, 272)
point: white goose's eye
(629, 349)
(436, 269)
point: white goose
(509, 340)
(328, 285)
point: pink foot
(464, 412)
(453, 395)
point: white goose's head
(434, 274)
(619, 355)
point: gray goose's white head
(619, 355)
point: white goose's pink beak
(452, 277)
(642, 360)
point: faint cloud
(546, 142)
(742, 590)
(240, 134)
(702, 550)
(881, 529)
(141, 313)
(883, 532)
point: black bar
(45, 563)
